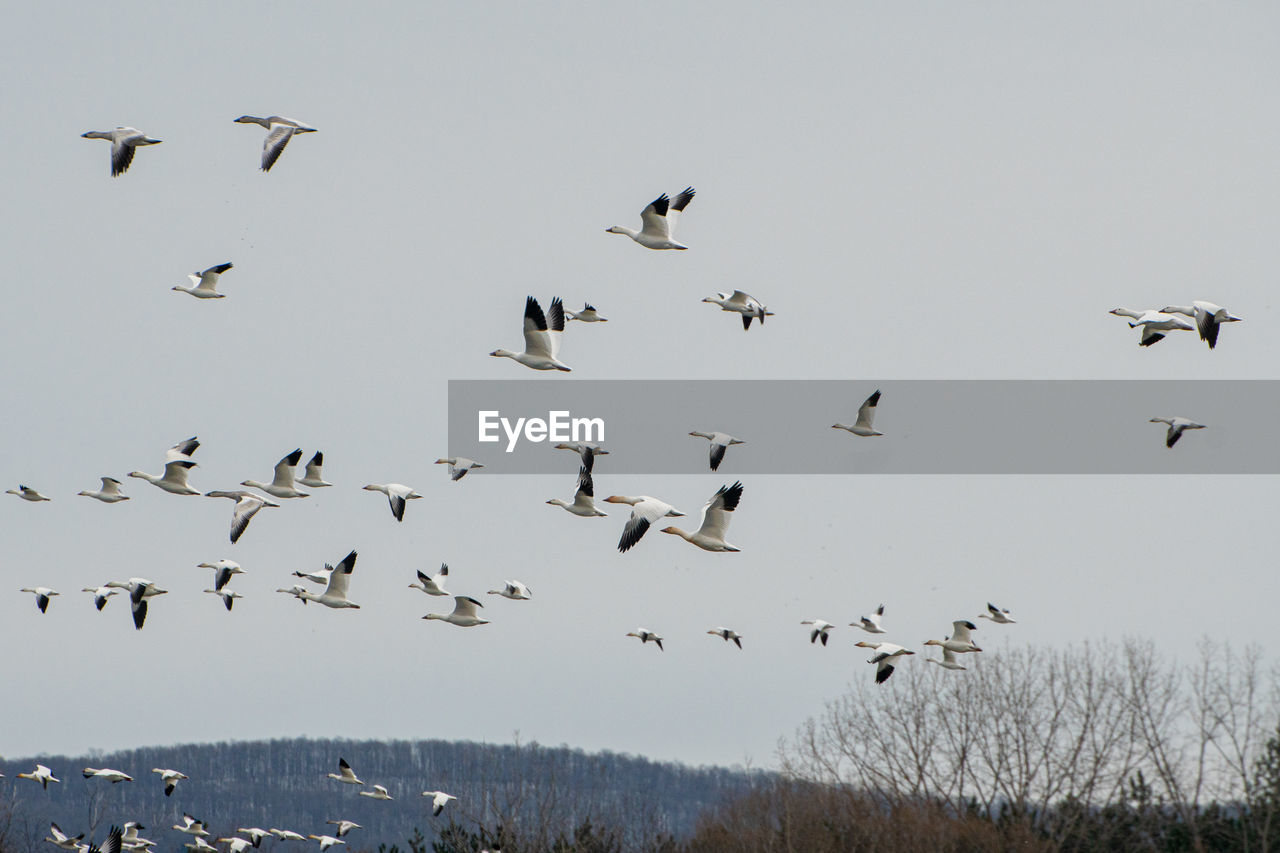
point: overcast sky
(919, 191)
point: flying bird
(647, 636)
(228, 596)
(998, 615)
(177, 463)
(312, 476)
(432, 585)
(42, 594)
(1176, 427)
(204, 284)
(514, 590)
(139, 589)
(541, 337)
(112, 776)
(279, 131)
(282, 484)
(463, 615)
(644, 511)
(223, 571)
(720, 442)
(658, 222)
(326, 841)
(870, 624)
(27, 494)
(885, 658)
(741, 303)
(41, 774)
(335, 594)
(948, 660)
(960, 640)
(1154, 324)
(439, 799)
(110, 492)
(378, 793)
(124, 142)
(866, 414)
(587, 315)
(255, 834)
(458, 466)
(170, 778)
(345, 774)
(397, 495)
(1209, 318)
(819, 631)
(583, 504)
(100, 595)
(345, 826)
(715, 521)
(727, 635)
(58, 838)
(247, 506)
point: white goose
(279, 131)
(439, 799)
(463, 615)
(583, 504)
(644, 512)
(458, 466)
(112, 776)
(960, 640)
(192, 826)
(658, 220)
(139, 589)
(885, 658)
(312, 476)
(110, 492)
(282, 484)
(820, 629)
(870, 624)
(1209, 318)
(345, 774)
(581, 447)
(100, 595)
(998, 615)
(287, 834)
(171, 778)
(541, 338)
(432, 585)
(41, 774)
(1154, 324)
(255, 834)
(514, 590)
(228, 596)
(1176, 428)
(60, 839)
(204, 284)
(223, 571)
(715, 521)
(948, 660)
(644, 635)
(237, 845)
(178, 463)
(727, 635)
(296, 591)
(199, 845)
(378, 793)
(320, 576)
(720, 442)
(335, 594)
(124, 141)
(397, 495)
(247, 506)
(42, 594)
(587, 314)
(326, 841)
(866, 414)
(345, 826)
(741, 303)
(27, 494)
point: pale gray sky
(920, 191)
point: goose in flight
(463, 615)
(715, 521)
(282, 484)
(432, 585)
(644, 511)
(100, 595)
(113, 844)
(587, 314)
(27, 494)
(312, 474)
(171, 779)
(345, 774)
(296, 591)
(139, 589)
(378, 793)
(199, 845)
(720, 442)
(583, 504)
(948, 660)
(541, 338)
(110, 492)
(287, 834)
(335, 594)
(131, 840)
(326, 841)
(1209, 318)
(191, 826)
(42, 594)
(820, 629)
(727, 635)
(1154, 324)
(228, 596)
(458, 466)
(439, 799)
(41, 774)
(237, 845)
(279, 131)
(58, 838)
(1176, 427)
(177, 463)
(741, 303)
(998, 615)
(397, 495)
(658, 222)
(644, 635)
(124, 141)
(345, 826)
(514, 590)
(223, 570)
(866, 414)
(960, 640)
(255, 834)
(581, 447)
(112, 776)
(870, 624)
(204, 284)
(247, 506)
(885, 658)
(320, 576)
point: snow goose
(345, 774)
(279, 131)
(397, 494)
(960, 640)
(255, 834)
(228, 596)
(42, 594)
(998, 615)
(1154, 324)
(541, 338)
(223, 571)
(112, 776)
(870, 624)
(312, 476)
(287, 834)
(715, 521)
(948, 660)
(741, 303)
(58, 838)
(130, 840)
(282, 485)
(171, 779)
(296, 591)
(720, 442)
(644, 512)
(1208, 317)
(204, 283)
(514, 590)
(110, 492)
(345, 826)
(378, 793)
(236, 845)
(326, 841)
(458, 466)
(124, 141)
(439, 799)
(41, 774)
(727, 635)
(335, 594)
(463, 615)
(100, 595)
(587, 314)
(432, 585)
(113, 844)
(583, 504)
(866, 414)
(320, 576)
(27, 494)
(820, 629)
(580, 447)
(644, 635)
(178, 463)
(1176, 427)
(658, 222)
(885, 658)
(140, 589)
(199, 845)
(247, 506)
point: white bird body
(42, 594)
(870, 624)
(866, 415)
(583, 504)
(644, 512)
(998, 615)
(720, 441)
(464, 613)
(139, 589)
(397, 494)
(237, 845)
(715, 521)
(282, 484)
(345, 774)
(820, 629)
(112, 776)
(439, 799)
(884, 658)
(204, 283)
(587, 315)
(287, 834)
(41, 774)
(727, 635)
(247, 506)
(948, 660)
(580, 447)
(1154, 324)
(458, 466)
(177, 463)
(27, 494)
(228, 596)
(255, 834)
(432, 584)
(223, 571)
(110, 492)
(658, 222)
(644, 635)
(124, 142)
(514, 590)
(312, 476)
(170, 778)
(1208, 316)
(741, 303)
(100, 595)
(541, 337)
(960, 640)
(279, 131)
(335, 594)
(378, 793)
(326, 841)
(1176, 428)
(345, 826)
(58, 838)
(191, 826)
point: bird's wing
(867, 411)
(643, 515)
(182, 450)
(555, 323)
(139, 613)
(960, 630)
(715, 515)
(286, 468)
(679, 203)
(397, 504)
(1171, 437)
(121, 156)
(278, 136)
(465, 605)
(176, 471)
(654, 217)
(340, 577)
(245, 509)
(585, 486)
(110, 486)
(717, 454)
(313, 467)
(537, 340)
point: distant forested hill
(283, 783)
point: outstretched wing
(715, 515)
